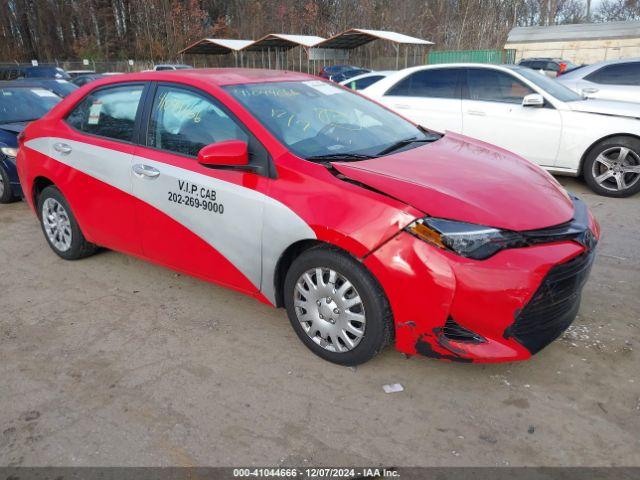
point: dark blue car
(62, 88)
(20, 103)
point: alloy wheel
(57, 225)
(329, 309)
(617, 169)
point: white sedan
(526, 112)
(610, 80)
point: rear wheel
(612, 168)
(6, 193)
(60, 226)
(337, 307)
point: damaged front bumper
(504, 308)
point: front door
(200, 220)
(493, 112)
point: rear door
(93, 149)
(493, 112)
(430, 98)
(200, 220)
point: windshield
(549, 85)
(23, 104)
(315, 118)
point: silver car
(610, 80)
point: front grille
(458, 333)
(554, 305)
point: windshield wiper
(341, 156)
(403, 143)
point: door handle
(589, 90)
(402, 106)
(63, 148)
(478, 113)
(145, 171)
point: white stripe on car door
(238, 233)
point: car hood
(13, 127)
(606, 107)
(464, 179)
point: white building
(578, 43)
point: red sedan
(307, 196)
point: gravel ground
(114, 361)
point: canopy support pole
(397, 48)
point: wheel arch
(38, 185)
(597, 142)
(287, 258)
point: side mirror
(533, 100)
(228, 153)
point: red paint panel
(180, 249)
(466, 180)
(426, 285)
(341, 213)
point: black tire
(7, 195)
(79, 246)
(378, 330)
(593, 168)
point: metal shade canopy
(216, 46)
(282, 41)
(356, 37)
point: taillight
(563, 67)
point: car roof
(215, 76)
(27, 83)
(460, 65)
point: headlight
(465, 239)
(9, 151)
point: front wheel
(60, 226)
(336, 306)
(6, 193)
(612, 168)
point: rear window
(24, 104)
(109, 112)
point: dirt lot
(113, 361)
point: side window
(619, 74)
(436, 83)
(183, 122)
(494, 86)
(109, 112)
(364, 82)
